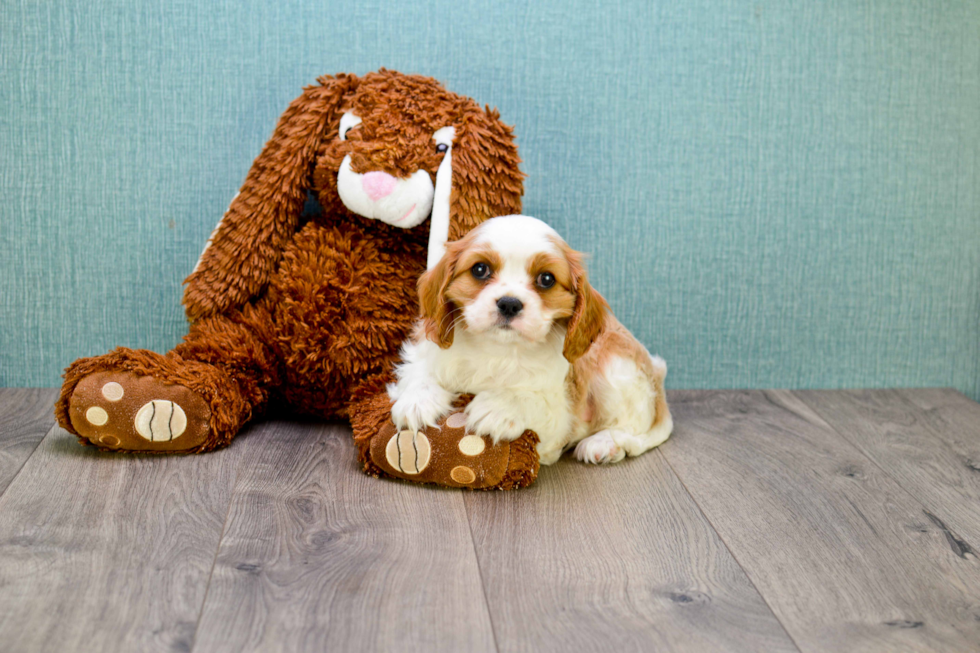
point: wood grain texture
(938, 462)
(613, 558)
(108, 552)
(319, 557)
(954, 418)
(756, 523)
(843, 555)
(26, 415)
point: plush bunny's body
(309, 316)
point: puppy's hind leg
(633, 409)
(602, 447)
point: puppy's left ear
(589, 315)
(438, 313)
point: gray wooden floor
(771, 521)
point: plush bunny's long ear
(247, 244)
(478, 179)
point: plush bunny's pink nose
(377, 184)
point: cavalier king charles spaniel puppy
(509, 316)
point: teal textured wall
(774, 193)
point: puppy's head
(512, 280)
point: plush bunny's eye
(347, 122)
(444, 139)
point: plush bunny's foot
(445, 454)
(137, 400)
(449, 455)
(121, 410)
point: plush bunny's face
(391, 156)
(395, 148)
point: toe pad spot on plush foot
(113, 391)
(96, 416)
(456, 420)
(471, 445)
(463, 475)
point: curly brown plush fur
(310, 316)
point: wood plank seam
(217, 551)
(14, 432)
(721, 539)
(116, 561)
(811, 550)
(23, 464)
(316, 555)
(483, 582)
(957, 544)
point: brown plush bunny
(310, 316)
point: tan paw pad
(408, 452)
(160, 420)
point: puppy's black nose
(509, 306)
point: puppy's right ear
(438, 312)
(247, 244)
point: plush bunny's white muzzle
(403, 203)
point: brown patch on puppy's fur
(615, 341)
(464, 287)
(483, 254)
(559, 300)
(586, 323)
(448, 286)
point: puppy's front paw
(421, 406)
(494, 415)
(599, 448)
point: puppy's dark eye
(545, 280)
(480, 271)
(441, 147)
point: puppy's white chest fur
(479, 364)
(517, 386)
